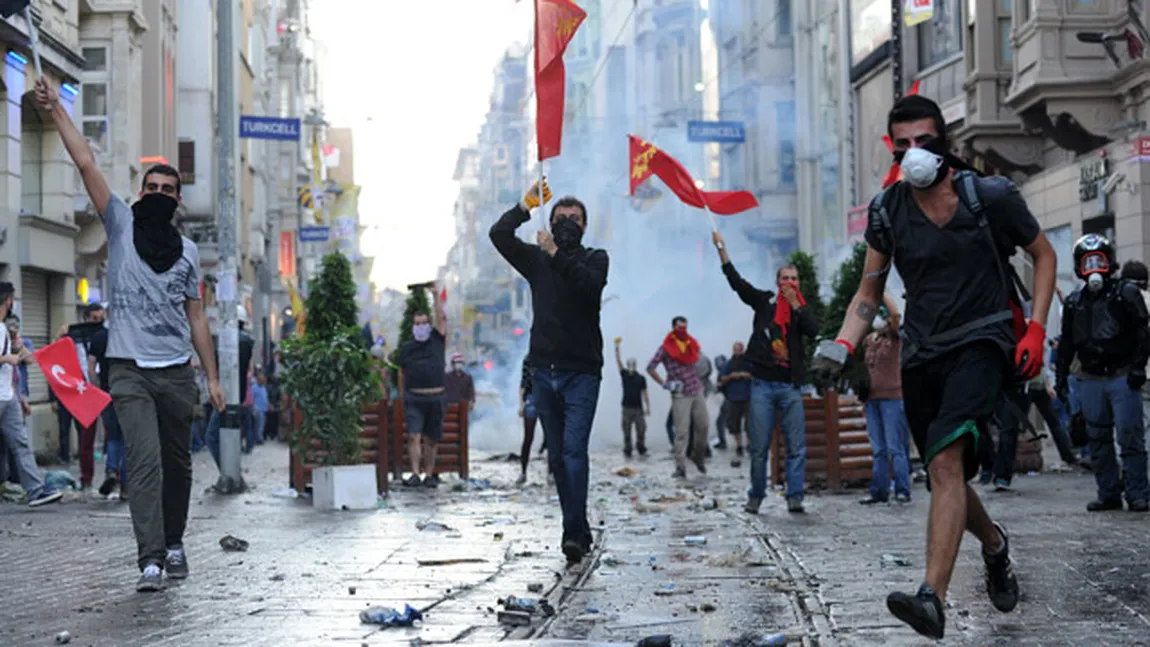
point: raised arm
(618, 354)
(440, 314)
(521, 255)
(76, 145)
(749, 294)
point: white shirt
(7, 391)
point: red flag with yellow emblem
(555, 25)
(648, 160)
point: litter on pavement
(233, 544)
(389, 617)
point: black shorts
(423, 415)
(952, 396)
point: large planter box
(373, 446)
(453, 449)
(344, 487)
(838, 448)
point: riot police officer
(1104, 325)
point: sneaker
(795, 505)
(739, 450)
(722, 444)
(176, 564)
(519, 482)
(700, 465)
(902, 498)
(1098, 505)
(736, 462)
(152, 579)
(870, 500)
(1001, 485)
(642, 450)
(431, 481)
(1001, 585)
(413, 481)
(1139, 506)
(986, 477)
(627, 453)
(679, 473)
(43, 495)
(922, 611)
(109, 484)
(574, 551)
(753, 505)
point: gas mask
(567, 233)
(421, 332)
(925, 166)
(1095, 266)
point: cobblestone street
(819, 577)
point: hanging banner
(287, 253)
(917, 11)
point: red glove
(1028, 353)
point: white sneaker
(152, 579)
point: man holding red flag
(678, 354)
(775, 355)
(11, 415)
(157, 322)
(567, 281)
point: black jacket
(1107, 331)
(566, 291)
(758, 353)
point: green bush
(329, 372)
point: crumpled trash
(505, 521)
(695, 540)
(762, 640)
(662, 640)
(11, 492)
(285, 493)
(388, 617)
(233, 544)
(894, 560)
(63, 638)
(432, 526)
(611, 560)
(61, 480)
(626, 472)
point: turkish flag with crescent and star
(61, 367)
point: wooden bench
(453, 448)
(838, 448)
(373, 446)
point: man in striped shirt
(678, 354)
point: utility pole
(896, 47)
(226, 289)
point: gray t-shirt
(146, 318)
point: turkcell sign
(269, 128)
(314, 234)
(722, 132)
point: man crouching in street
(679, 353)
(567, 281)
(422, 382)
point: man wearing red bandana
(678, 354)
(775, 356)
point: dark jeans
(1007, 420)
(1045, 405)
(1113, 408)
(721, 421)
(565, 403)
(154, 407)
(116, 454)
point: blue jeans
(1110, 407)
(766, 397)
(258, 420)
(889, 442)
(117, 456)
(212, 436)
(566, 402)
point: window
(94, 113)
(1004, 24)
(785, 121)
(783, 17)
(95, 59)
(187, 162)
(941, 37)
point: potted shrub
(330, 373)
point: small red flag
(647, 160)
(61, 366)
(555, 25)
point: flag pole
(35, 40)
(711, 217)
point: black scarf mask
(155, 236)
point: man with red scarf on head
(775, 356)
(679, 353)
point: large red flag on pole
(555, 25)
(648, 160)
(61, 366)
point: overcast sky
(413, 79)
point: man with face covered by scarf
(567, 281)
(425, 392)
(156, 322)
(775, 358)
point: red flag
(646, 159)
(61, 366)
(443, 294)
(555, 25)
(895, 173)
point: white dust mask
(920, 167)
